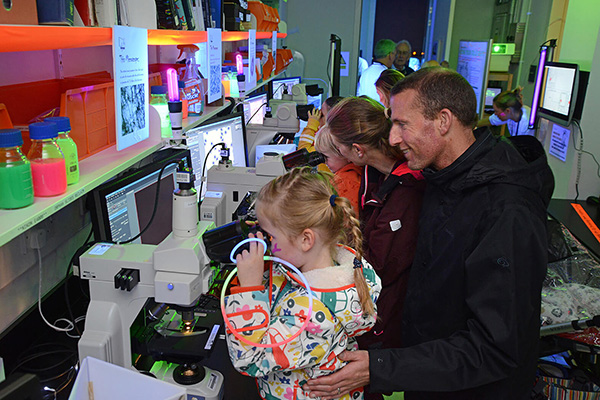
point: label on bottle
(194, 96)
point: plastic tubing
(172, 85)
(266, 258)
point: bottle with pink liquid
(47, 161)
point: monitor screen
(254, 109)
(230, 130)
(278, 85)
(121, 208)
(473, 65)
(559, 92)
(490, 93)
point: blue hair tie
(332, 200)
(357, 263)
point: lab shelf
(94, 171)
(38, 37)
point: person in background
(384, 54)
(390, 198)
(471, 322)
(403, 51)
(347, 174)
(430, 63)
(509, 110)
(316, 119)
(384, 84)
(269, 307)
(445, 64)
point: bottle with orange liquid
(48, 168)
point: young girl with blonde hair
(311, 228)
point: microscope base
(210, 388)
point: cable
(155, 204)
(204, 165)
(71, 262)
(256, 112)
(56, 328)
(583, 151)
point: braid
(353, 238)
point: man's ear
(307, 239)
(445, 120)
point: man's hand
(353, 375)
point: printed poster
(559, 142)
(214, 64)
(130, 70)
(274, 46)
(251, 83)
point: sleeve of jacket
(252, 310)
(504, 274)
(388, 246)
(307, 137)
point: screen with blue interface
(254, 109)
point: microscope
(166, 280)
(231, 190)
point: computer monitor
(562, 91)
(276, 86)
(122, 207)
(473, 64)
(229, 129)
(254, 109)
(490, 93)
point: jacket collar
(400, 171)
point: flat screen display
(230, 130)
(278, 86)
(121, 208)
(473, 65)
(254, 109)
(559, 91)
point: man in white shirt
(384, 54)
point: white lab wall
(566, 173)
(310, 24)
(472, 21)
(66, 230)
(367, 29)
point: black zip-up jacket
(472, 311)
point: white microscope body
(227, 185)
(284, 121)
(174, 272)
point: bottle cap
(158, 90)
(43, 130)
(10, 138)
(63, 123)
(181, 84)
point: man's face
(414, 135)
(402, 55)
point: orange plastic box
(267, 18)
(88, 100)
(284, 58)
(5, 122)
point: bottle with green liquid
(16, 185)
(158, 99)
(68, 147)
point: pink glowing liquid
(49, 177)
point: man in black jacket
(472, 311)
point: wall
(538, 15)
(440, 28)
(566, 173)
(66, 230)
(470, 25)
(367, 29)
(310, 24)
